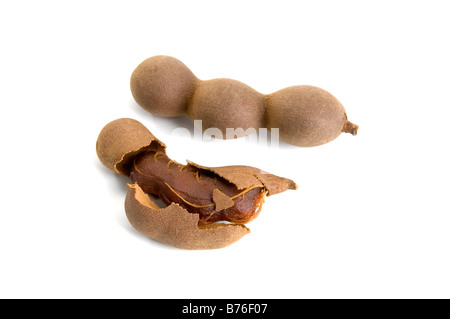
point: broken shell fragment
(120, 140)
(175, 226)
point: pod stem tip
(351, 128)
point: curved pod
(305, 115)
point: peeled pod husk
(122, 140)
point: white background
(371, 217)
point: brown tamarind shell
(227, 103)
(163, 85)
(248, 176)
(175, 226)
(122, 139)
(117, 145)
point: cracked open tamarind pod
(199, 198)
(305, 115)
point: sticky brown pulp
(193, 188)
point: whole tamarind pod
(305, 115)
(198, 197)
